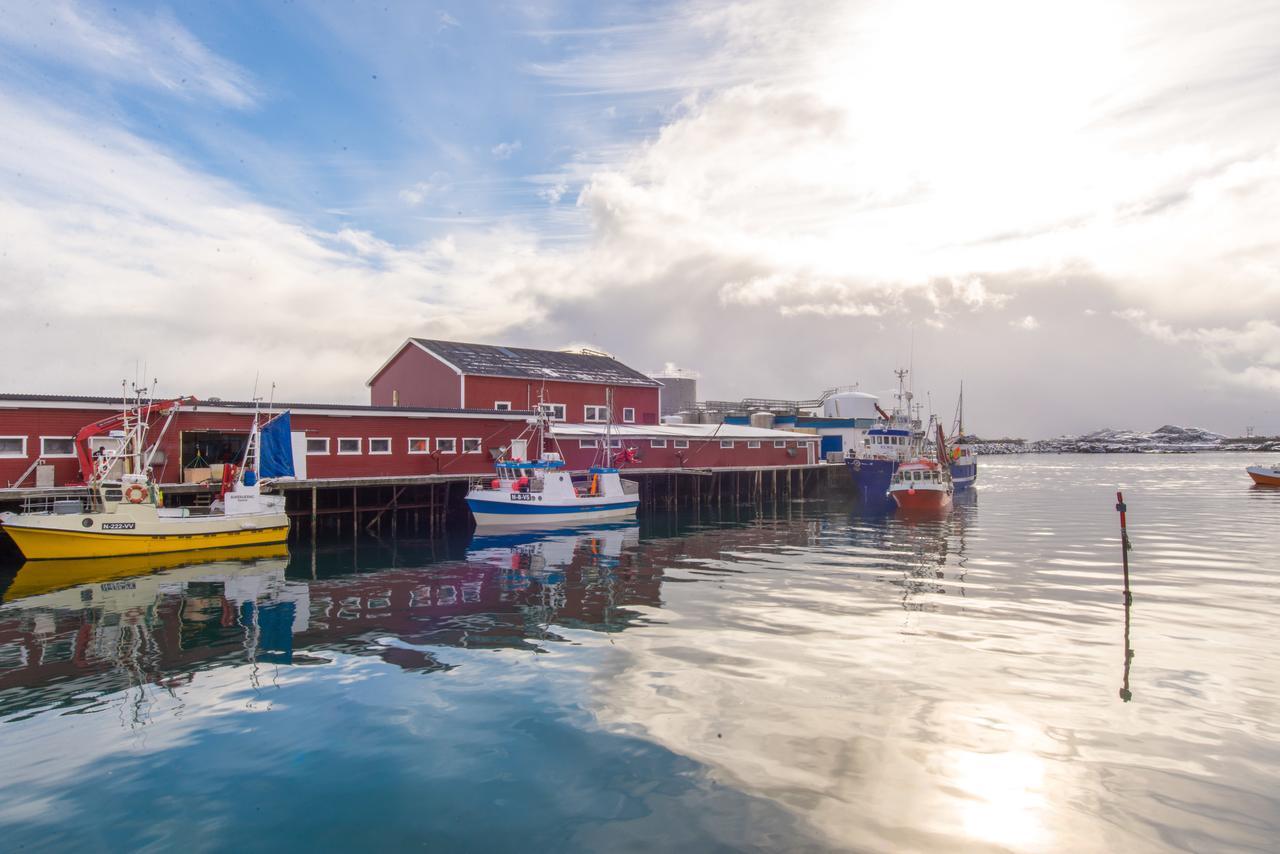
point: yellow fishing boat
(124, 515)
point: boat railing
(67, 501)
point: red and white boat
(1265, 475)
(922, 484)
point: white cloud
(504, 150)
(1027, 323)
(447, 21)
(553, 193)
(114, 247)
(417, 193)
(1247, 356)
(151, 50)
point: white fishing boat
(532, 488)
(119, 510)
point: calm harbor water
(802, 678)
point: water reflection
(806, 677)
(129, 622)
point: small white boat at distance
(531, 487)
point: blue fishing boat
(964, 459)
(894, 440)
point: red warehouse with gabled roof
(575, 386)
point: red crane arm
(107, 424)
(883, 414)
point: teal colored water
(802, 678)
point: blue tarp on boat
(277, 448)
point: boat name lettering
(118, 526)
(119, 585)
(521, 496)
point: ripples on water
(801, 678)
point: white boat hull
(501, 510)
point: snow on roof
(679, 431)
(495, 361)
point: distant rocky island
(1168, 439)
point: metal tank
(850, 404)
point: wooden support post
(313, 517)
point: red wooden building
(573, 386)
(344, 441)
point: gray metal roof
(277, 406)
(494, 361)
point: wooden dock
(434, 504)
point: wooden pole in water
(1124, 543)
(1125, 694)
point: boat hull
(37, 543)
(871, 480)
(1263, 476)
(922, 500)
(492, 514)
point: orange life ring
(135, 493)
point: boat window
(57, 446)
(447, 446)
(470, 446)
(317, 446)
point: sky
(1071, 208)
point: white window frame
(12, 456)
(779, 443)
(324, 453)
(48, 456)
(753, 443)
(426, 444)
(453, 445)
(479, 445)
(555, 411)
(588, 443)
(657, 443)
(629, 414)
(502, 406)
(680, 443)
(726, 443)
(595, 413)
(359, 446)
(615, 443)
(373, 439)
